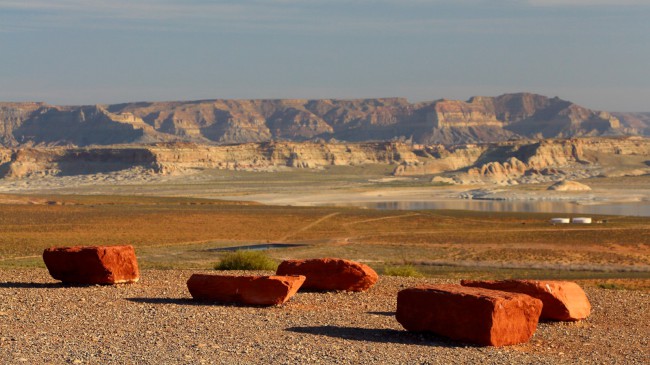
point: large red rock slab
(481, 316)
(331, 274)
(563, 300)
(92, 264)
(248, 290)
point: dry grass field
(190, 233)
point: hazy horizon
(73, 52)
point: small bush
(612, 286)
(246, 260)
(404, 270)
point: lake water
(633, 209)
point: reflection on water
(636, 209)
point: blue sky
(593, 52)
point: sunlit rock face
(92, 264)
(245, 290)
(562, 300)
(476, 315)
(480, 119)
(331, 274)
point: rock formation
(247, 290)
(482, 316)
(516, 162)
(92, 264)
(480, 119)
(331, 274)
(563, 300)
(5, 160)
(438, 158)
(635, 123)
(513, 162)
(518, 159)
(565, 185)
(169, 158)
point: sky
(592, 52)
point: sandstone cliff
(438, 158)
(636, 123)
(12, 116)
(250, 156)
(566, 185)
(517, 162)
(170, 158)
(5, 160)
(512, 162)
(487, 119)
(30, 124)
(480, 119)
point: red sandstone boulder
(563, 300)
(331, 274)
(482, 316)
(249, 290)
(92, 264)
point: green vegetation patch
(612, 286)
(403, 270)
(246, 260)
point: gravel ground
(156, 322)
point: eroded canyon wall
(534, 161)
(509, 162)
(480, 119)
(171, 158)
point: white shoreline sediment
(321, 190)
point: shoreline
(453, 199)
(344, 187)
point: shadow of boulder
(28, 285)
(388, 314)
(382, 335)
(190, 301)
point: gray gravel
(156, 322)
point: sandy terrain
(155, 322)
(445, 194)
(300, 187)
